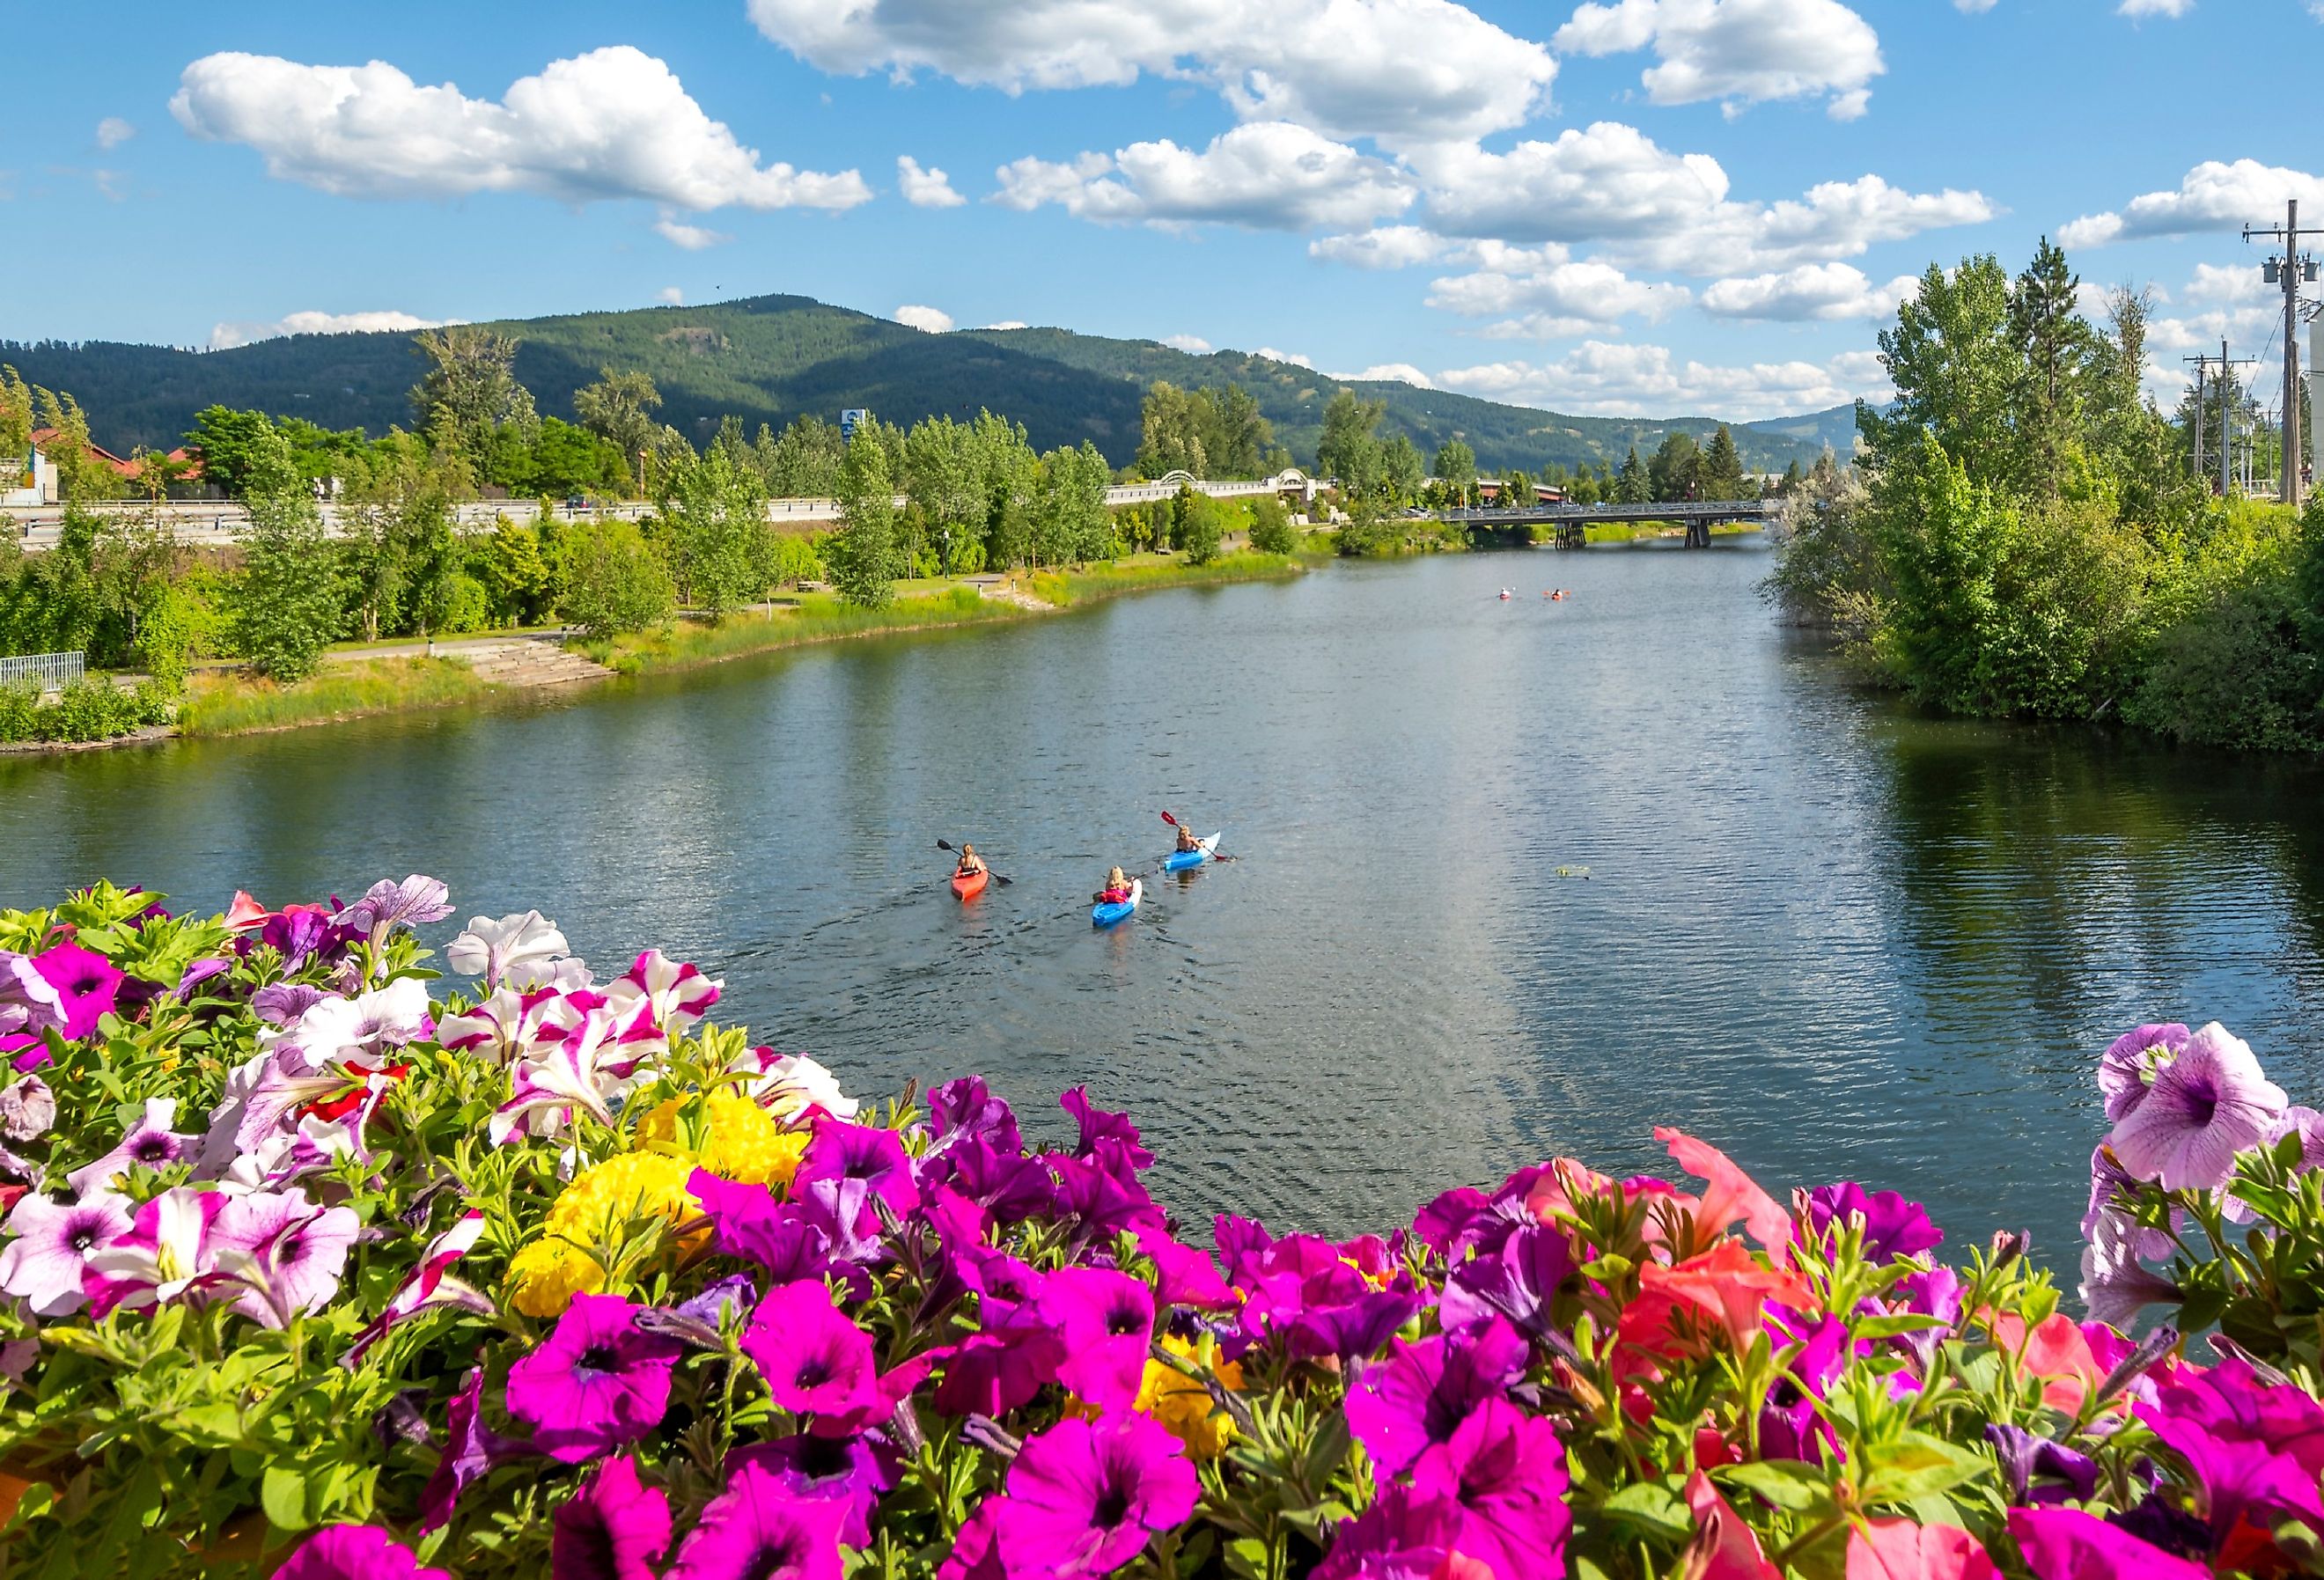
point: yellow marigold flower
(659, 1125)
(747, 1146)
(546, 1275)
(1183, 1407)
(607, 1195)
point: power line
(2289, 272)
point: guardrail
(49, 672)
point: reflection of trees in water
(2087, 876)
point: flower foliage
(317, 1263)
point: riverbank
(821, 617)
(240, 704)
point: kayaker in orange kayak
(1116, 890)
(971, 863)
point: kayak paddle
(996, 877)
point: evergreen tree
(1630, 484)
(1722, 467)
(2051, 341)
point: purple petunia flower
(1401, 1536)
(756, 1530)
(282, 1004)
(1102, 1193)
(1185, 1276)
(1436, 1225)
(614, 1529)
(298, 932)
(150, 1142)
(471, 1449)
(387, 905)
(2159, 1521)
(28, 1109)
(1790, 1424)
(1104, 1125)
(45, 1263)
(1518, 1282)
(2040, 1471)
(1935, 1292)
(1005, 1363)
(595, 1384)
(1085, 1497)
(1104, 1320)
(852, 1471)
(840, 1151)
(198, 973)
(1006, 1184)
(1506, 1470)
(2116, 1286)
(1892, 1226)
(2066, 1544)
(1421, 1395)
(812, 1357)
(287, 1252)
(2125, 1069)
(2206, 1105)
(355, 1552)
(967, 1108)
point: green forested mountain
(770, 358)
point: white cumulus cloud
(1007, 324)
(1615, 380)
(613, 123)
(1193, 345)
(693, 238)
(1738, 51)
(1261, 175)
(928, 319)
(1395, 70)
(1293, 357)
(1398, 373)
(2214, 195)
(670, 296)
(113, 132)
(228, 335)
(925, 189)
(1384, 246)
(1810, 292)
(1612, 183)
(2173, 8)
(1549, 293)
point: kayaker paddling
(1116, 891)
(970, 864)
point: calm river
(1837, 939)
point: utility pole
(2288, 270)
(2226, 429)
(2202, 365)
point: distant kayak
(969, 885)
(1105, 915)
(1178, 861)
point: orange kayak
(969, 885)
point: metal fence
(49, 672)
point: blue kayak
(1104, 915)
(1178, 861)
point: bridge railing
(43, 671)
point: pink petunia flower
(1085, 1497)
(150, 1142)
(84, 980)
(614, 1529)
(287, 1252)
(166, 1253)
(595, 1384)
(812, 1357)
(355, 1552)
(676, 996)
(430, 1285)
(757, 1530)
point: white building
(29, 480)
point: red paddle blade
(1169, 819)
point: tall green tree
(1721, 475)
(860, 556)
(1456, 469)
(2053, 345)
(1349, 449)
(619, 409)
(1402, 471)
(1676, 471)
(1631, 484)
(1071, 520)
(286, 601)
(716, 508)
(1958, 373)
(469, 390)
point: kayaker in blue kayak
(1116, 891)
(1186, 840)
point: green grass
(1144, 573)
(1633, 531)
(238, 704)
(816, 617)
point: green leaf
(282, 1494)
(1890, 1326)
(1787, 1483)
(1918, 1465)
(1653, 1507)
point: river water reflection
(1837, 939)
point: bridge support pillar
(1573, 535)
(1698, 534)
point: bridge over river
(1574, 521)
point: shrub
(462, 605)
(1200, 531)
(1271, 532)
(611, 580)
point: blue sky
(1641, 206)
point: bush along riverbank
(330, 1256)
(84, 713)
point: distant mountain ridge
(770, 358)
